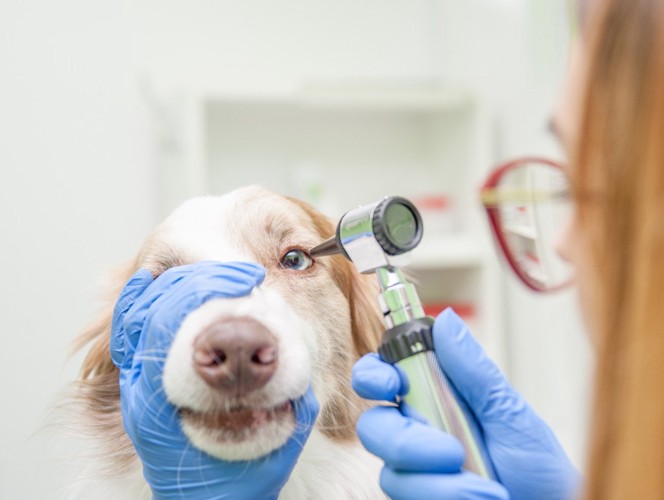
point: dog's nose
(235, 355)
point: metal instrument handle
(431, 395)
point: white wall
(256, 42)
(75, 199)
(77, 185)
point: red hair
(619, 185)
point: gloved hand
(147, 316)
(424, 462)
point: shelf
(453, 251)
(428, 98)
(421, 97)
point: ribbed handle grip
(410, 346)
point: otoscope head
(377, 235)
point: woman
(611, 123)
(617, 242)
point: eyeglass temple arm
(491, 197)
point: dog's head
(236, 364)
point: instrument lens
(400, 224)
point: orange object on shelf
(432, 202)
(463, 309)
(437, 212)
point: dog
(315, 317)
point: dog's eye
(296, 260)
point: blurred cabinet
(340, 146)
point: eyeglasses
(528, 205)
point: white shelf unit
(340, 146)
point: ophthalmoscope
(379, 238)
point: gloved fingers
(473, 374)
(408, 445)
(178, 291)
(242, 274)
(142, 414)
(374, 379)
(165, 316)
(136, 285)
(201, 282)
(194, 291)
(460, 486)
(134, 319)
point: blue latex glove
(424, 462)
(146, 318)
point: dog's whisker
(348, 400)
(246, 467)
(161, 351)
(156, 350)
(164, 404)
(299, 441)
(150, 358)
(229, 373)
(180, 467)
(167, 406)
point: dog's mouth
(238, 423)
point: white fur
(186, 389)
(330, 470)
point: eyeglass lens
(532, 214)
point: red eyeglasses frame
(488, 198)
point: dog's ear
(94, 401)
(367, 321)
(156, 256)
(98, 334)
